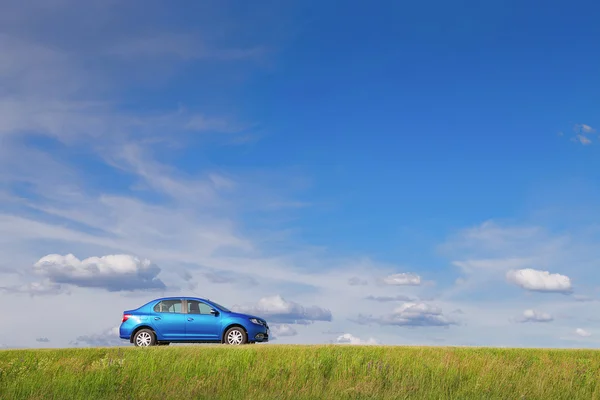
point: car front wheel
(144, 338)
(236, 336)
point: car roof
(179, 298)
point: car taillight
(125, 317)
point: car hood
(240, 315)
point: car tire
(144, 338)
(236, 336)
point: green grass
(299, 372)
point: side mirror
(214, 312)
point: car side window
(197, 307)
(168, 306)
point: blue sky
(395, 173)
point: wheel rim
(235, 337)
(143, 339)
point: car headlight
(256, 321)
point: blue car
(190, 320)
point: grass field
(299, 372)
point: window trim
(183, 307)
(199, 301)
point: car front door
(201, 324)
(169, 319)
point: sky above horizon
(374, 173)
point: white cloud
(535, 316)
(277, 309)
(410, 314)
(584, 128)
(582, 332)
(582, 140)
(108, 338)
(278, 330)
(409, 279)
(348, 338)
(113, 272)
(540, 281)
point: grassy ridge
(299, 372)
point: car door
(169, 319)
(201, 324)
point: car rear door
(200, 323)
(169, 319)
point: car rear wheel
(144, 338)
(236, 336)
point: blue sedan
(190, 320)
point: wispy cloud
(581, 139)
(410, 314)
(384, 299)
(202, 123)
(181, 46)
(356, 281)
(583, 128)
(40, 288)
(403, 279)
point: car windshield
(222, 308)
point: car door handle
(157, 318)
(190, 319)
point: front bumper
(261, 337)
(258, 333)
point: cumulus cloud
(411, 314)
(108, 338)
(535, 316)
(403, 279)
(384, 299)
(277, 309)
(114, 273)
(582, 332)
(278, 330)
(539, 281)
(348, 338)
